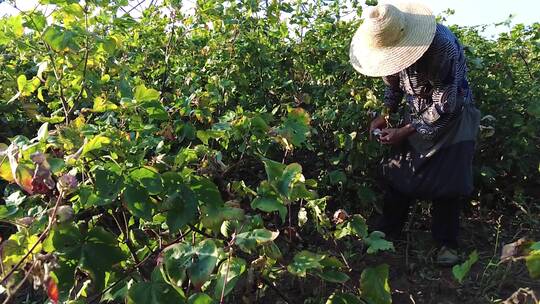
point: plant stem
(283, 296)
(41, 238)
(26, 276)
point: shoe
(447, 257)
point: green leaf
(35, 21)
(228, 275)
(264, 235)
(343, 298)
(155, 110)
(156, 291)
(534, 109)
(290, 173)
(356, 225)
(106, 188)
(96, 143)
(295, 127)
(366, 194)
(58, 2)
(149, 178)
(376, 243)
(176, 259)
(71, 14)
(331, 262)
(206, 135)
(305, 261)
(247, 241)
(201, 298)
(206, 191)
(460, 271)
(51, 120)
(16, 24)
(95, 251)
(270, 204)
(337, 177)
(333, 276)
(274, 170)
(359, 226)
(181, 208)
(207, 256)
(7, 211)
(533, 264)
(17, 246)
(59, 38)
(143, 94)
(109, 45)
(57, 165)
(138, 202)
(317, 208)
(213, 218)
(374, 286)
(272, 251)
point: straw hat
(391, 38)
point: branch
(281, 294)
(226, 277)
(526, 65)
(59, 79)
(85, 68)
(41, 238)
(136, 266)
(167, 54)
(135, 6)
(202, 232)
(26, 276)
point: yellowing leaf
(24, 177)
(143, 94)
(5, 168)
(103, 105)
(16, 23)
(16, 247)
(96, 143)
(27, 87)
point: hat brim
(383, 61)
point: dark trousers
(445, 214)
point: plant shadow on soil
(415, 278)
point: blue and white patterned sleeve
(446, 71)
(392, 93)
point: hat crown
(384, 25)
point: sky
(467, 12)
(477, 12)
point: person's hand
(377, 123)
(395, 136)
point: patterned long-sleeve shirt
(435, 86)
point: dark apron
(441, 168)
